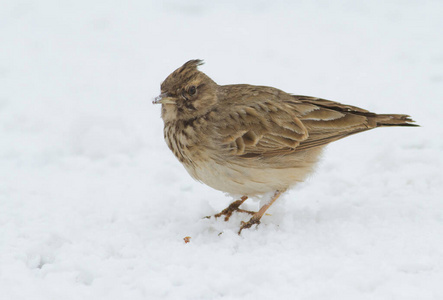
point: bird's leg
(234, 206)
(257, 216)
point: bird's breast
(186, 143)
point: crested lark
(250, 140)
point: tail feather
(384, 120)
(373, 119)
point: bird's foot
(234, 206)
(244, 225)
(257, 216)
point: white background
(93, 205)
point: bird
(247, 140)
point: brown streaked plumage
(249, 140)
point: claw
(257, 216)
(245, 225)
(234, 206)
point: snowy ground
(94, 206)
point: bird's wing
(270, 128)
(330, 121)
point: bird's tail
(384, 120)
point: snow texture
(93, 205)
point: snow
(94, 206)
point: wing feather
(272, 124)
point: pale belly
(240, 180)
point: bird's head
(187, 93)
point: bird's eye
(192, 90)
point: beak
(163, 99)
